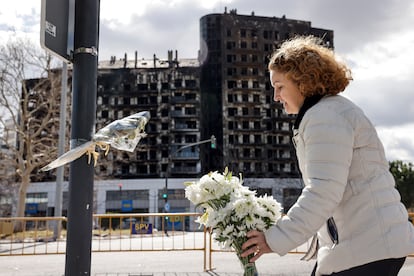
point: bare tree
(29, 116)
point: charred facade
(169, 90)
(253, 133)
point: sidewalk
(164, 263)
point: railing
(35, 235)
(213, 247)
(115, 233)
(111, 233)
(147, 232)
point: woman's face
(286, 92)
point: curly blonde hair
(312, 66)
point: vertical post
(61, 149)
(120, 196)
(84, 84)
(166, 208)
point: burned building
(226, 92)
(253, 132)
(169, 90)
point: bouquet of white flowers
(122, 134)
(231, 210)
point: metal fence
(30, 235)
(147, 232)
(111, 233)
(114, 233)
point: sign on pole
(57, 26)
(167, 207)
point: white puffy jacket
(346, 176)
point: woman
(349, 200)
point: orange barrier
(111, 233)
(31, 235)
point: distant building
(225, 92)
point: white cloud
(398, 142)
(21, 18)
(121, 15)
(392, 56)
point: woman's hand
(256, 244)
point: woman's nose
(276, 96)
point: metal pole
(193, 144)
(61, 150)
(171, 155)
(81, 176)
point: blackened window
(243, 32)
(164, 140)
(232, 111)
(231, 84)
(104, 114)
(231, 45)
(231, 58)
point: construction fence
(114, 233)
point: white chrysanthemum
(260, 224)
(243, 192)
(241, 231)
(251, 221)
(213, 220)
(228, 230)
(243, 207)
(231, 209)
(192, 193)
(213, 186)
(272, 207)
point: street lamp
(213, 142)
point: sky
(374, 37)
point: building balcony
(186, 155)
(180, 114)
(185, 128)
(182, 99)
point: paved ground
(165, 263)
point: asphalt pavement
(163, 263)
